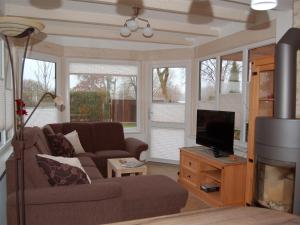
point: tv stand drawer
(190, 177)
(190, 162)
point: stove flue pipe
(286, 75)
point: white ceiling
(176, 23)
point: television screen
(215, 129)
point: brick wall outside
(297, 24)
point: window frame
(187, 63)
(2, 132)
(47, 58)
(66, 82)
(240, 144)
(5, 143)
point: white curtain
(9, 101)
(2, 105)
(105, 69)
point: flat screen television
(215, 129)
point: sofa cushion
(47, 129)
(84, 133)
(108, 154)
(107, 136)
(60, 146)
(86, 154)
(93, 173)
(154, 195)
(73, 138)
(86, 161)
(59, 173)
(34, 177)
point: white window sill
(132, 131)
(5, 152)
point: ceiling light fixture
(263, 4)
(131, 25)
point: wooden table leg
(118, 174)
(109, 170)
(145, 171)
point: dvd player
(210, 187)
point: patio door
(167, 113)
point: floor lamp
(10, 29)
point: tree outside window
(39, 78)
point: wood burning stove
(275, 185)
(277, 140)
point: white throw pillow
(66, 160)
(73, 138)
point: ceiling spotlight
(263, 4)
(131, 25)
(125, 32)
(148, 32)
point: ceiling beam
(106, 19)
(186, 7)
(113, 35)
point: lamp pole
(16, 27)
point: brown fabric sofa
(102, 201)
(102, 141)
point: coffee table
(116, 166)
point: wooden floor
(193, 203)
(222, 216)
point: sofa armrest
(70, 194)
(135, 147)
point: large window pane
(168, 94)
(104, 97)
(207, 83)
(168, 85)
(39, 78)
(167, 112)
(231, 98)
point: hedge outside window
(103, 92)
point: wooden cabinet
(198, 166)
(261, 103)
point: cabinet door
(261, 104)
(266, 93)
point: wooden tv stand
(198, 166)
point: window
(103, 92)
(229, 82)
(231, 98)
(6, 97)
(39, 78)
(207, 83)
